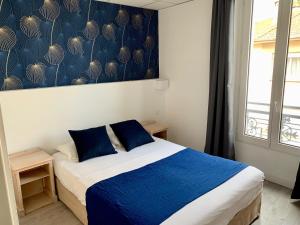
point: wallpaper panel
(46, 43)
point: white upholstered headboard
(42, 117)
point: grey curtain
(219, 137)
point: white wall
(42, 117)
(8, 208)
(184, 59)
(279, 167)
(5, 216)
(184, 35)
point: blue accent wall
(46, 43)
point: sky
(263, 9)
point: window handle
(276, 106)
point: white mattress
(216, 207)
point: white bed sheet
(216, 207)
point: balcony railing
(257, 122)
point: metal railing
(257, 122)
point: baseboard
(281, 181)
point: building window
(272, 98)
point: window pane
(290, 119)
(261, 60)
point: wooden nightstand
(156, 129)
(33, 180)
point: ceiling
(149, 4)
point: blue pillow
(131, 134)
(91, 143)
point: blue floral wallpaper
(46, 43)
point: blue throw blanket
(151, 194)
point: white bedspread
(216, 207)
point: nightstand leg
(18, 193)
(53, 195)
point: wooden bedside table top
(155, 127)
(27, 159)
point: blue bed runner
(151, 194)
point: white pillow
(69, 149)
(113, 138)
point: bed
(235, 202)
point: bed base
(71, 201)
(244, 217)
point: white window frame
(243, 42)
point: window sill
(263, 143)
